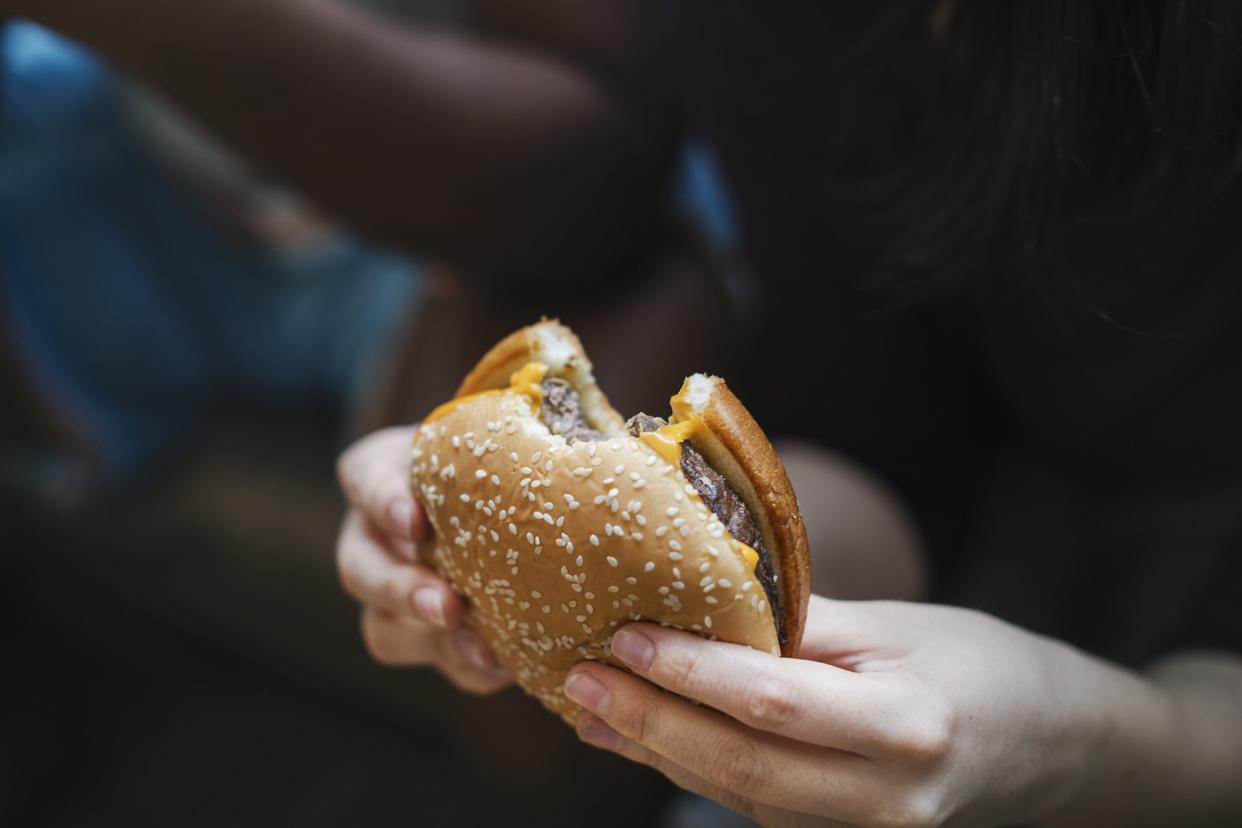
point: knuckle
(396, 588)
(680, 665)
(375, 639)
(930, 735)
(771, 704)
(638, 719)
(347, 471)
(736, 765)
(910, 810)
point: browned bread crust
(555, 545)
(736, 446)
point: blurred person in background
(154, 285)
(996, 253)
(149, 279)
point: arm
(485, 154)
(908, 714)
(1170, 749)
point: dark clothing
(1066, 429)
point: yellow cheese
(526, 381)
(748, 554)
(667, 440)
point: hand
(893, 714)
(410, 615)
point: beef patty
(728, 508)
(562, 412)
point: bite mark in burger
(559, 521)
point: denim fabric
(133, 311)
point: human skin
(893, 713)
(509, 161)
(522, 145)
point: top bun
(556, 544)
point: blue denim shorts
(133, 311)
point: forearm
(1166, 746)
(495, 158)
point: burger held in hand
(559, 521)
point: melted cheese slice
(525, 381)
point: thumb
(848, 633)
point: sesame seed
(663, 590)
(594, 540)
(674, 556)
(678, 585)
(611, 560)
(725, 582)
(650, 565)
(661, 531)
(671, 511)
(617, 469)
(706, 565)
(746, 586)
(707, 619)
(495, 480)
(631, 580)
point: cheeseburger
(560, 521)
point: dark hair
(1113, 112)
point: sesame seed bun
(556, 545)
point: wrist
(1121, 733)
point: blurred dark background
(179, 379)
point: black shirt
(1069, 436)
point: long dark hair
(1113, 112)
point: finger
(860, 636)
(376, 579)
(595, 731)
(476, 680)
(374, 475)
(803, 700)
(400, 641)
(752, 764)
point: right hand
(410, 616)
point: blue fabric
(134, 312)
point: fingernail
(474, 651)
(401, 515)
(430, 605)
(588, 692)
(634, 648)
(593, 730)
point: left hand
(893, 714)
